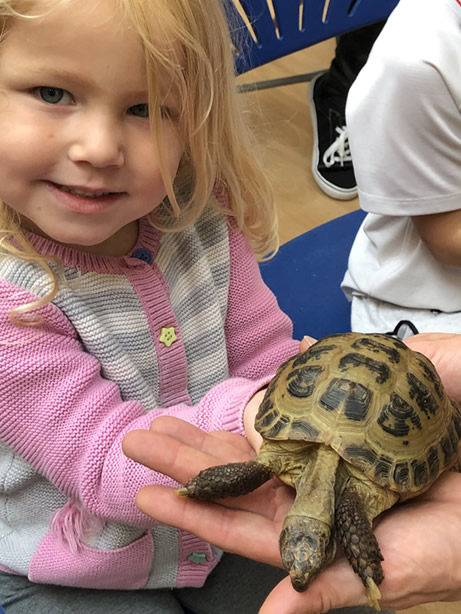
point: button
(167, 336)
(143, 254)
(197, 557)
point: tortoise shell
(378, 404)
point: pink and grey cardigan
(184, 326)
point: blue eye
(139, 110)
(51, 95)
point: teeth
(77, 192)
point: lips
(83, 192)
(82, 199)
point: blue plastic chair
(269, 29)
(306, 273)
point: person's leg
(236, 586)
(352, 51)
(331, 160)
(18, 595)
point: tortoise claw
(373, 594)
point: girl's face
(77, 158)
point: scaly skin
(360, 545)
(230, 480)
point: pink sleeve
(67, 421)
(258, 333)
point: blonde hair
(220, 149)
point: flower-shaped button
(167, 336)
(197, 557)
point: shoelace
(339, 150)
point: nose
(98, 140)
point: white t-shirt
(404, 122)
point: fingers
(236, 441)
(241, 532)
(163, 454)
(337, 587)
(210, 443)
(175, 459)
(180, 450)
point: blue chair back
(265, 30)
(306, 273)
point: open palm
(419, 540)
(248, 525)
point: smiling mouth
(91, 194)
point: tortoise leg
(360, 545)
(231, 480)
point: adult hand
(444, 350)
(422, 559)
(422, 555)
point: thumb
(336, 587)
(306, 343)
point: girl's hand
(249, 415)
(252, 408)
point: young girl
(130, 194)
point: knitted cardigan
(184, 326)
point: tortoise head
(306, 548)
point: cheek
(28, 145)
(173, 162)
(151, 163)
(175, 149)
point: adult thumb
(336, 587)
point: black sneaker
(331, 156)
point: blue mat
(306, 274)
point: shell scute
(433, 462)
(301, 383)
(354, 397)
(424, 398)
(398, 417)
(391, 350)
(376, 367)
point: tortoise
(355, 424)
